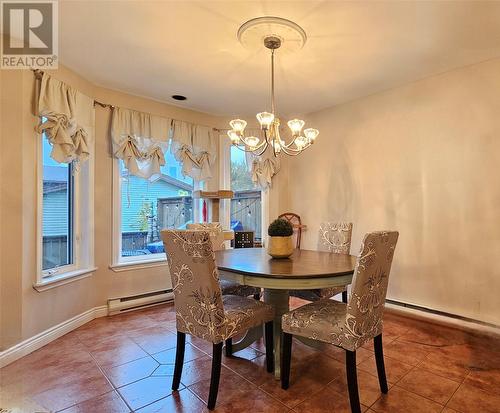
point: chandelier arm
(263, 145)
(251, 150)
(294, 152)
(263, 150)
(290, 144)
(245, 150)
(286, 152)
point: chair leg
(215, 377)
(179, 359)
(344, 296)
(229, 347)
(286, 358)
(352, 381)
(379, 357)
(269, 347)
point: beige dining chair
(201, 309)
(334, 237)
(348, 326)
(218, 243)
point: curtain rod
(39, 73)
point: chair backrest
(335, 237)
(296, 222)
(215, 231)
(369, 287)
(195, 281)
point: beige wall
(25, 312)
(422, 159)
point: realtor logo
(29, 35)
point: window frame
(119, 263)
(225, 182)
(81, 231)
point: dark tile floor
(125, 363)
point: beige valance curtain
(262, 168)
(194, 146)
(141, 139)
(67, 119)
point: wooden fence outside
(246, 207)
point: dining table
(303, 270)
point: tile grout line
(425, 397)
(101, 369)
(113, 389)
(238, 374)
(259, 387)
(458, 388)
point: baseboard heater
(441, 313)
(136, 302)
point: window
(65, 203)
(246, 206)
(57, 215)
(146, 207)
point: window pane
(246, 210)
(57, 206)
(148, 207)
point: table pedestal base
(250, 337)
(279, 300)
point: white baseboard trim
(473, 326)
(45, 337)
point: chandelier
(270, 125)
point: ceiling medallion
(274, 33)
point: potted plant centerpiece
(280, 233)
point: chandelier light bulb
(300, 142)
(235, 139)
(265, 119)
(238, 125)
(277, 145)
(252, 141)
(296, 126)
(311, 134)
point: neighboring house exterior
(55, 201)
(141, 220)
(138, 194)
(55, 216)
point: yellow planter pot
(280, 247)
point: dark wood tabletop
(302, 264)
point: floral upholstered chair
(334, 237)
(215, 231)
(351, 325)
(217, 238)
(201, 309)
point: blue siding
(55, 213)
(137, 191)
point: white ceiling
(160, 48)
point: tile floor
(125, 363)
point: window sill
(61, 279)
(138, 265)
